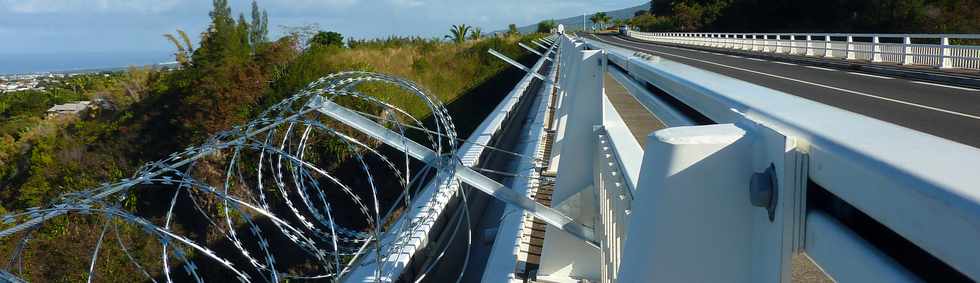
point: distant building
(73, 108)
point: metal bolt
(762, 191)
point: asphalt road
(949, 112)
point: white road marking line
(784, 63)
(824, 86)
(946, 86)
(869, 75)
(734, 56)
(819, 68)
(756, 59)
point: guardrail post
(792, 44)
(850, 48)
(946, 61)
(574, 188)
(686, 218)
(809, 46)
(765, 43)
(779, 45)
(907, 58)
(828, 52)
(875, 49)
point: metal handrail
(896, 35)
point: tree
(639, 13)
(512, 29)
(476, 34)
(600, 19)
(458, 33)
(327, 38)
(653, 23)
(224, 81)
(661, 7)
(619, 22)
(302, 34)
(220, 11)
(260, 26)
(546, 26)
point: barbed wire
(290, 176)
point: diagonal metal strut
(465, 174)
(531, 49)
(518, 65)
(539, 44)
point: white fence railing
(728, 202)
(884, 48)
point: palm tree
(600, 19)
(476, 34)
(184, 50)
(458, 33)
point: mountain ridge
(575, 22)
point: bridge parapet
(830, 169)
(903, 49)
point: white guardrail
(887, 48)
(728, 202)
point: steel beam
(530, 49)
(467, 175)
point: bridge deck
(638, 119)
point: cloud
(307, 6)
(407, 3)
(88, 6)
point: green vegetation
(546, 26)
(232, 75)
(881, 16)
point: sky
(104, 33)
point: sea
(75, 62)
